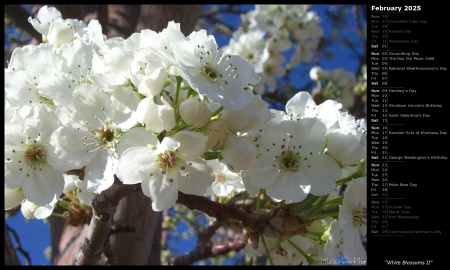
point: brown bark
(122, 20)
(156, 17)
(66, 241)
(100, 227)
(136, 212)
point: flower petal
(138, 136)
(135, 165)
(263, 174)
(200, 177)
(289, 186)
(161, 190)
(43, 185)
(99, 172)
(322, 172)
(192, 144)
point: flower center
(360, 216)
(289, 161)
(209, 60)
(167, 160)
(211, 73)
(44, 100)
(105, 136)
(220, 177)
(35, 154)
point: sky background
(34, 234)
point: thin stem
(267, 250)
(348, 178)
(320, 216)
(217, 112)
(182, 127)
(177, 93)
(63, 204)
(57, 215)
(258, 199)
(176, 106)
(335, 201)
(308, 258)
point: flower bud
(343, 79)
(316, 73)
(252, 115)
(60, 33)
(217, 133)
(155, 117)
(13, 197)
(194, 112)
(28, 208)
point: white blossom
(221, 78)
(226, 181)
(290, 163)
(22, 77)
(173, 165)
(89, 137)
(60, 33)
(29, 157)
(44, 18)
(347, 143)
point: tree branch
(201, 250)
(103, 206)
(223, 212)
(228, 9)
(10, 252)
(19, 17)
(204, 250)
(210, 16)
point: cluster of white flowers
(177, 113)
(336, 84)
(269, 32)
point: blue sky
(34, 235)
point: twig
(223, 212)
(203, 249)
(228, 9)
(19, 18)
(210, 16)
(18, 247)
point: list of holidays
(408, 130)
